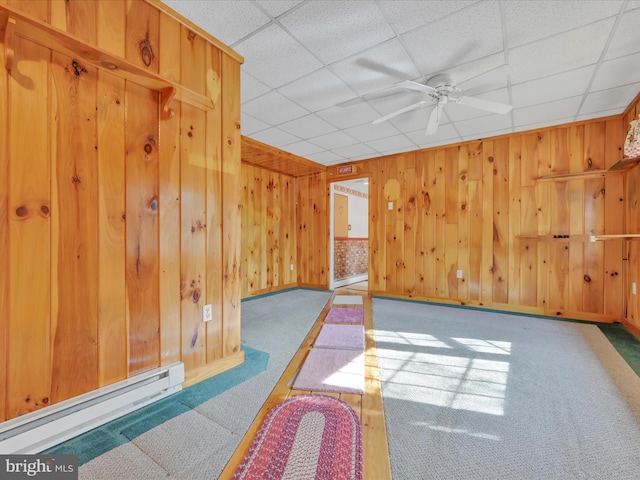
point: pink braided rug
(306, 437)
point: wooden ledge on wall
(16, 23)
(271, 158)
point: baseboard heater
(36, 431)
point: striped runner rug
(305, 437)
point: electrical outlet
(633, 287)
(292, 266)
(459, 274)
(207, 313)
(390, 205)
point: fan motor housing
(443, 83)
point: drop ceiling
(318, 73)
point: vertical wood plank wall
(268, 231)
(477, 207)
(116, 227)
(631, 248)
(312, 221)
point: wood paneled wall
(268, 231)
(632, 247)
(116, 227)
(313, 235)
(478, 207)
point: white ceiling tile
(318, 90)
(250, 88)
(633, 4)
(414, 120)
(395, 151)
(347, 27)
(227, 20)
(547, 111)
(391, 143)
(626, 39)
(488, 134)
(469, 34)
(555, 87)
(614, 72)
(302, 148)
(333, 140)
(307, 127)
(391, 103)
(274, 137)
(355, 151)
(560, 53)
(273, 108)
(479, 76)
(530, 20)
(409, 14)
(476, 126)
(251, 125)
(444, 132)
(612, 98)
(275, 8)
(544, 124)
(274, 57)
(457, 112)
(368, 131)
(580, 47)
(345, 117)
(325, 157)
(376, 68)
(603, 113)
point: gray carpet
(478, 395)
(199, 443)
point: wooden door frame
(330, 252)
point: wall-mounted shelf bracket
(166, 95)
(9, 35)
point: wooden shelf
(620, 167)
(18, 24)
(625, 164)
(572, 176)
(623, 236)
(556, 238)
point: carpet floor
(470, 394)
(191, 435)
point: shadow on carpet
(100, 440)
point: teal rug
(627, 345)
(100, 440)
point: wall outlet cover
(207, 313)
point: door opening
(349, 202)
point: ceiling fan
(439, 88)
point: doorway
(349, 252)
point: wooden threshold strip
(368, 406)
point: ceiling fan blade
(482, 104)
(418, 87)
(387, 92)
(434, 118)
(398, 112)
